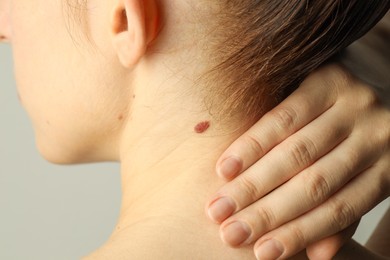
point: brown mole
(202, 127)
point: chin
(57, 155)
(61, 154)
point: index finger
(315, 96)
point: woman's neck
(167, 178)
(168, 174)
(168, 167)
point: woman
(151, 94)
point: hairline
(75, 13)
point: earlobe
(133, 26)
(5, 28)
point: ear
(5, 27)
(134, 25)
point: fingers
(328, 247)
(279, 165)
(304, 105)
(351, 134)
(301, 194)
(300, 151)
(334, 215)
(304, 192)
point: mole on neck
(202, 127)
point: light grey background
(59, 212)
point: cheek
(37, 45)
(71, 94)
(38, 61)
(73, 114)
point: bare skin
(352, 145)
(167, 169)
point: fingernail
(236, 233)
(221, 209)
(269, 250)
(230, 167)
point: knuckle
(353, 92)
(298, 237)
(351, 160)
(342, 215)
(284, 118)
(302, 152)
(267, 217)
(368, 97)
(252, 143)
(249, 187)
(317, 187)
(340, 79)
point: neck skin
(168, 170)
(168, 173)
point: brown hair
(263, 49)
(270, 46)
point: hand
(325, 160)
